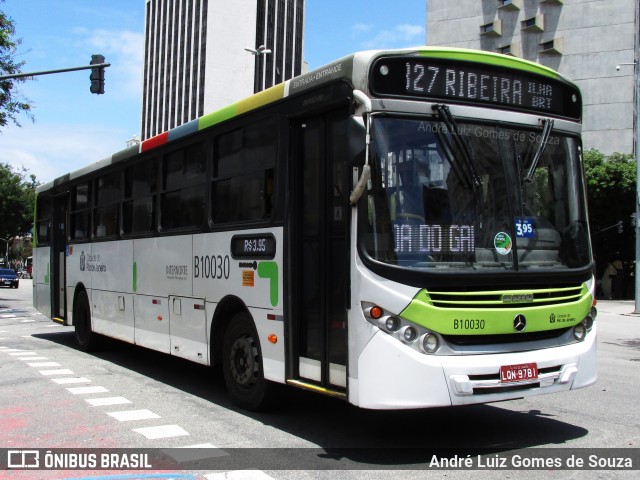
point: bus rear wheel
(87, 339)
(242, 364)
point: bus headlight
(408, 334)
(580, 331)
(588, 322)
(389, 323)
(429, 343)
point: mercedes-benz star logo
(519, 323)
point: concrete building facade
(585, 40)
(196, 60)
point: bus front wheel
(242, 364)
(87, 339)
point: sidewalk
(620, 307)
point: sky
(74, 128)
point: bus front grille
(501, 298)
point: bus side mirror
(357, 140)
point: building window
(532, 24)
(491, 29)
(509, 4)
(551, 47)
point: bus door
(58, 257)
(320, 257)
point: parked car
(8, 278)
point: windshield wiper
(520, 167)
(445, 115)
(547, 126)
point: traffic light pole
(47, 72)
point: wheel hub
(244, 361)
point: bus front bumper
(393, 376)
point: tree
(611, 191)
(17, 200)
(11, 101)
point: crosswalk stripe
(129, 415)
(163, 431)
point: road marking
(202, 445)
(63, 381)
(83, 390)
(163, 431)
(101, 402)
(23, 354)
(193, 453)
(129, 415)
(60, 371)
(32, 358)
(43, 364)
(239, 475)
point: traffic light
(97, 74)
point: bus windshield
(470, 196)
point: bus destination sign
(466, 82)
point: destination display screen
(453, 241)
(456, 81)
(253, 246)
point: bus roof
(352, 67)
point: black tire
(87, 339)
(242, 365)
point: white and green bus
(399, 229)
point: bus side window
(105, 215)
(80, 211)
(243, 175)
(139, 206)
(43, 220)
(183, 185)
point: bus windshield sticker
(502, 242)
(524, 228)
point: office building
(585, 40)
(196, 58)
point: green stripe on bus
(490, 58)
(270, 270)
(243, 106)
(134, 273)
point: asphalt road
(52, 396)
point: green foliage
(17, 199)
(611, 191)
(611, 187)
(11, 101)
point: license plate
(518, 373)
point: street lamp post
(636, 148)
(257, 52)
